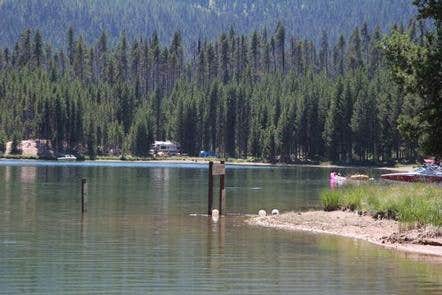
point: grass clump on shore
(408, 203)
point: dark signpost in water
(216, 169)
(83, 195)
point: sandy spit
(386, 233)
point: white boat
(67, 158)
(428, 173)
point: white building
(165, 148)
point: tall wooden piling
(216, 169)
(210, 193)
(222, 193)
(83, 195)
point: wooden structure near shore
(217, 169)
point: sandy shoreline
(385, 233)
(263, 164)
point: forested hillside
(267, 94)
(196, 19)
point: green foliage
(403, 55)
(352, 199)
(330, 200)
(3, 141)
(418, 68)
(269, 149)
(335, 123)
(408, 203)
(239, 96)
(15, 145)
(92, 141)
(410, 130)
(141, 133)
(194, 18)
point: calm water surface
(139, 235)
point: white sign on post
(218, 169)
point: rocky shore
(383, 232)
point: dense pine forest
(267, 95)
(196, 19)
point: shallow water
(139, 235)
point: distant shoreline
(236, 162)
(385, 233)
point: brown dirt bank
(387, 233)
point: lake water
(139, 235)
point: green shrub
(352, 199)
(15, 144)
(408, 203)
(2, 141)
(330, 200)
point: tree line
(266, 95)
(194, 18)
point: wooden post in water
(83, 195)
(222, 193)
(210, 194)
(216, 169)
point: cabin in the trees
(165, 148)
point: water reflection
(138, 237)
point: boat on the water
(67, 158)
(428, 173)
(336, 179)
(360, 177)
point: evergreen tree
(285, 136)
(122, 63)
(238, 95)
(231, 126)
(142, 133)
(280, 44)
(334, 125)
(71, 45)
(355, 51)
(360, 125)
(16, 144)
(323, 53)
(79, 63)
(37, 51)
(92, 140)
(2, 141)
(417, 67)
(25, 48)
(269, 149)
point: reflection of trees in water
(18, 193)
(5, 192)
(28, 174)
